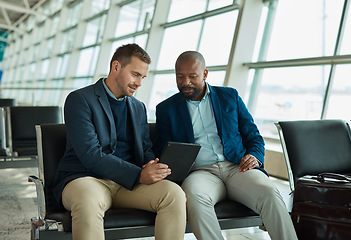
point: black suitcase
(322, 207)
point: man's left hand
(248, 162)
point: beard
(192, 96)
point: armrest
(40, 198)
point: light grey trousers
(208, 185)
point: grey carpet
(17, 202)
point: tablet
(179, 157)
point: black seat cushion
(23, 121)
(119, 218)
(317, 146)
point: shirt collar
(110, 93)
(204, 98)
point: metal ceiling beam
(6, 16)
(26, 3)
(17, 8)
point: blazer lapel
(216, 109)
(102, 97)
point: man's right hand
(153, 172)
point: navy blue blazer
(236, 128)
(92, 140)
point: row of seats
(309, 147)
(118, 223)
(39, 132)
(18, 137)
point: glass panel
(55, 93)
(36, 52)
(56, 5)
(185, 8)
(215, 43)
(146, 15)
(18, 44)
(25, 40)
(49, 48)
(61, 67)
(74, 14)
(177, 40)
(50, 95)
(311, 33)
(87, 61)
(25, 72)
(215, 78)
(164, 86)
(44, 68)
(37, 95)
(140, 40)
(214, 4)
(340, 97)
(68, 40)
(6, 78)
(81, 82)
(31, 71)
(133, 16)
(345, 44)
(127, 19)
(54, 25)
(39, 33)
(94, 31)
(98, 6)
(23, 59)
(20, 74)
(290, 94)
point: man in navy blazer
(231, 159)
(108, 161)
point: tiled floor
(234, 234)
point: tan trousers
(88, 198)
(208, 185)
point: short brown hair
(124, 53)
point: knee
(196, 198)
(271, 192)
(172, 194)
(270, 197)
(89, 206)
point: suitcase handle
(321, 177)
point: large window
(289, 59)
(298, 77)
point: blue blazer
(92, 140)
(236, 127)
